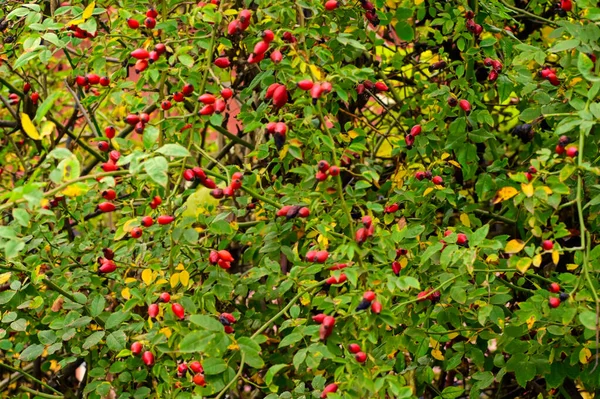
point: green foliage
(470, 313)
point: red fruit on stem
(234, 27)
(166, 105)
(188, 175)
(361, 235)
(103, 146)
(178, 97)
(553, 79)
(114, 155)
(305, 85)
(396, 267)
(376, 307)
(150, 23)
(392, 208)
(165, 297)
(331, 388)
(280, 96)
(92, 78)
(104, 81)
(217, 193)
(147, 221)
(226, 93)
(109, 166)
(464, 105)
(380, 86)
(196, 367)
(199, 173)
(437, 180)
(209, 183)
(109, 194)
(178, 311)
(153, 310)
(223, 264)
(108, 253)
(110, 132)
(319, 318)
(409, 139)
(559, 149)
(199, 380)
(136, 348)
(213, 258)
(222, 62)
(182, 369)
(354, 348)
(148, 358)
(220, 106)
(270, 90)
(321, 256)
(160, 48)
(315, 92)
(207, 110)
(207, 98)
(554, 302)
(361, 357)
(152, 13)
(276, 56)
(334, 171)
(304, 212)
(228, 191)
(26, 87)
(225, 255)
(367, 221)
(165, 219)
(547, 245)
(140, 54)
(132, 119)
(331, 5)
(108, 266)
(260, 48)
(136, 232)
(369, 296)
(566, 5)
(188, 89)
(461, 239)
(493, 76)
(554, 288)
(106, 207)
(572, 152)
(133, 23)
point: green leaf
(115, 319)
(273, 370)
(206, 322)
(405, 31)
(290, 339)
(186, 60)
(21, 216)
(157, 170)
(588, 319)
(53, 38)
(174, 150)
(24, 59)
(196, 341)
(32, 352)
(93, 339)
(458, 294)
(45, 107)
(213, 366)
(564, 45)
(13, 247)
(150, 136)
(47, 337)
(585, 66)
(97, 305)
(116, 341)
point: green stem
(40, 394)
(524, 12)
(32, 378)
(248, 190)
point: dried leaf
(504, 193)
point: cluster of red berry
(323, 170)
(223, 258)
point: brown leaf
(58, 303)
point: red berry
(153, 310)
(189, 175)
(133, 23)
(104, 81)
(361, 357)
(554, 302)
(196, 367)
(160, 48)
(226, 93)
(392, 208)
(199, 380)
(136, 348)
(35, 96)
(566, 5)
(320, 176)
(321, 256)
(276, 56)
(148, 358)
(268, 35)
(182, 369)
(108, 266)
(166, 105)
(323, 166)
(93, 79)
(334, 171)
(103, 146)
(207, 98)
(150, 23)
(136, 232)
(331, 5)
(81, 81)
(26, 87)
(380, 86)
(260, 48)
(572, 152)
(152, 13)
(140, 54)
(217, 193)
(331, 388)
(110, 132)
(106, 207)
(547, 245)
(376, 307)
(109, 194)
(225, 255)
(437, 180)
(554, 288)
(369, 296)
(305, 85)
(147, 221)
(164, 297)
(559, 149)
(178, 311)
(132, 119)
(165, 219)
(280, 96)
(303, 212)
(319, 318)
(461, 239)
(114, 155)
(354, 348)
(464, 105)
(207, 110)
(222, 62)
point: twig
(32, 378)
(40, 394)
(82, 109)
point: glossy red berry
(276, 56)
(225, 255)
(136, 232)
(103, 146)
(166, 105)
(165, 219)
(353, 348)
(106, 207)
(148, 358)
(136, 348)
(461, 239)
(199, 380)
(369, 296)
(304, 212)
(547, 245)
(226, 93)
(464, 105)
(133, 23)
(331, 5)
(361, 357)
(554, 288)
(140, 54)
(153, 310)
(26, 87)
(376, 307)
(151, 13)
(81, 81)
(150, 23)
(572, 151)
(438, 180)
(189, 175)
(305, 85)
(147, 221)
(222, 62)
(321, 256)
(559, 149)
(196, 367)
(182, 369)
(323, 166)
(165, 297)
(334, 171)
(178, 311)
(109, 194)
(331, 388)
(554, 302)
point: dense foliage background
(332, 199)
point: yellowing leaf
(572, 266)
(160, 282)
(464, 218)
(427, 191)
(321, 239)
(125, 293)
(454, 163)
(504, 193)
(167, 331)
(130, 224)
(130, 280)
(174, 280)
(437, 354)
(147, 276)
(184, 278)
(28, 127)
(403, 262)
(75, 190)
(89, 10)
(4, 277)
(305, 300)
(537, 260)
(523, 264)
(530, 322)
(527, 189)
(555, 257)
(47, 128)
(585, 355)
(514, 246)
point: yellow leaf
(47, 128)
(77, 21)
(530, 322)
(445, 155)
(585, 355)
(167, 331)
(161, 282)
(555, 256)
(464, 218)
(427, 191)
(504, 193)
(125, 293)
(28, 127)
(174, 280)
(89, 10)
(305, 300)
(547, 189)
(321, 239)
(523, 264)
(437, 354)
(130, 280)
(316, 71)
(572, 266)
(147, 276)
(514, 246)
(75, 190)
(180, 267)
(527, 189)
(184, 278)
(454, 163)
(130, 224)
(403, 262)
(537, 260)
(233, 347)
(4, 277)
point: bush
(310, 199)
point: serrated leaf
(31, 352)
(174, 150)
(514, 246)
(93, 339)
(206, 322)
(157, 170)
